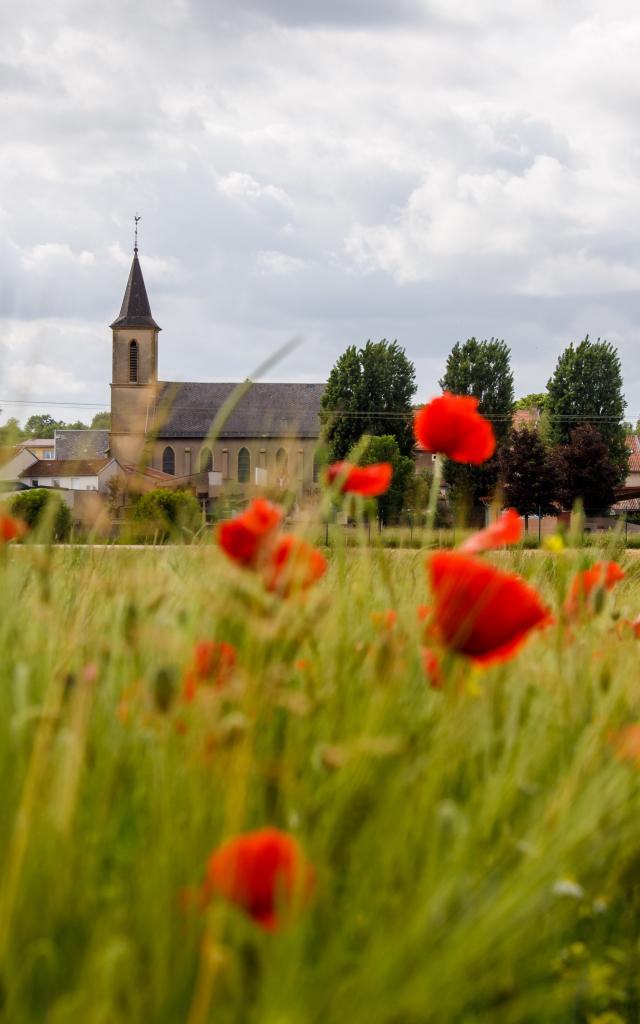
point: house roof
(135, 310)
(266, 410)
(81, 444)
(36, 442)
(44, 468)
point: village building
(266, 438)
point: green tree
(101, 421)
(586, 387)
(585, 470)
(536, 400)
(10, 433)
(385, 448)
(527, 472)
(42, 425)
(481, 369)
(369, 391)
(44, 511)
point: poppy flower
(264, 873)
(249, 536)
(590, 585)
(626, 744)
(507, 529)
(293, 565)
(432, 668)
(480, 611)
(213, 662)
(452, 425)
(368, 481)
(10, 528)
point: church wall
(263, 454)
(147, 340)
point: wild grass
(477, 849)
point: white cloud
(271, 261)
(244, 188)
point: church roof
(266, 410)
(135, 310)
(81, 444)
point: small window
(206, 460)
(48, 454)
(169, 461)
(133, 362)
(244, 466)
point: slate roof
(81, 444)
(63, 467)
(266, 410)
(135, 310)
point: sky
(337, 170)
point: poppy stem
(434, 492)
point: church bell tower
(134, 378)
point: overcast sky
(424, 170)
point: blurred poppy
(294, 565)
(480, 611)
(368, 481)
(589, 586)
(213, 662)
(452, 425)
(508, 529)
(264, 873)
(432, 668)
(10, 528)
(248, 537)
(387, 619)
(626, 744)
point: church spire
(135, 310)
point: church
(162, 428)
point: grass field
(476, 848)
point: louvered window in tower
(133, 362)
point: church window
(169, 461)
(244, 466)
(133, 362)
(206, 460)
(300, 465)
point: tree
(536, 400)
(528, 472)
(10, 433)
(481, 369)
(385, 449)
(369, 391)
(42, 425)
(585, 470)
(162, 514)
(101, 421)
(43, 511)
(586, 387)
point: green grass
(477, 850)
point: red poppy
(432, 668)
(294, 565)
(480, 611)
(264, 873)
(452, 425)
(213, 662)
(590, 584)
(368, 481)
(507, 529)
(10, 528)
(626, 744)
(248, 537)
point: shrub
(44, 511)
(166, 515)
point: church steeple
(135, 310)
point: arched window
(244, 466)
(206, 460)
(282, 462)
(133, 362)
(169, 461)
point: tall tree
(528, 472)
(10, 433)
(481, 369)
(101, 421)
(586, 387)
(384, 448)
(585, 470)
(369, 391)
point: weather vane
(135, 245)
